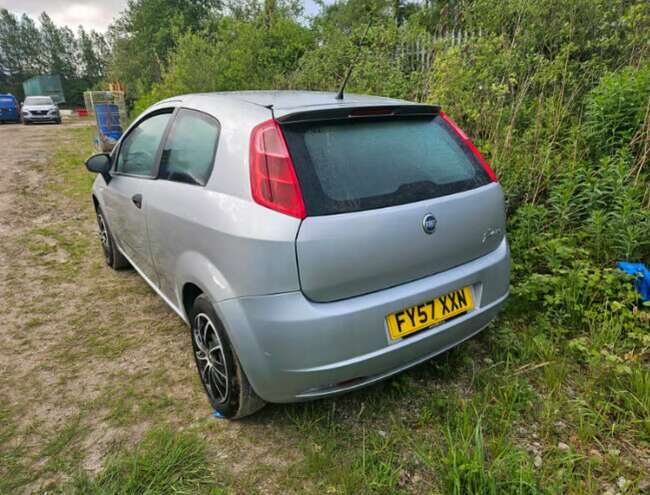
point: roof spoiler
(360, 112)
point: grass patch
(61, 448)
(74, 181)
(137, 398)
(473, 467)
(165, 462)
(13, 472)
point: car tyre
(221, 374)
(114, 258)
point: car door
(126, 196)
(179, 195)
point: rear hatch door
(390, 198)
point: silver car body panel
(293, 348)
(245, 258)
(341, 256)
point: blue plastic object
(642, 274)
(9, 110)
(217, 414)
(108, 120)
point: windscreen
(38, 100)
(353, 165)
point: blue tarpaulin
(642, 274)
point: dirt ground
(90, 358)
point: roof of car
(284, 102)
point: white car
(40, 109)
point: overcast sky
(91, 14)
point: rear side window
(189, 150)
(355, 165)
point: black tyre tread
(246, 401)
(116, 260)
(249, 401)
(119, 261)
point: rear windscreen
(353, 165)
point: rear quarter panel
(216, 236)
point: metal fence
(109, 110)
(418, 53)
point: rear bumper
(294, 349)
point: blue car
(9, 108)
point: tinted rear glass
(355, 165)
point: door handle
(137, 200)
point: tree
(144, 34)
(92, 65)
(31, 47)
(27, 51)
(10, 51)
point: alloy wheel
(210, 358)
(103, 235)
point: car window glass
(189, 150)
(137, 152)
(354, 165)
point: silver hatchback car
(313, 245)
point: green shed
(45, 86)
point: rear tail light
(469, 144)
(273, 179)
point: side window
(137, 154)
(189, 150)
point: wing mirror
(100, 164)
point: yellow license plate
(416, 318)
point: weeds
(471, 468)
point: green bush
(617, 110)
